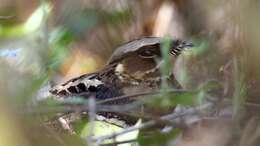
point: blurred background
(45, 42)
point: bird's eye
(147, 53)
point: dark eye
(147, 53)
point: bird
(133, 67)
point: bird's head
(142, 58)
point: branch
(105, 108)
(6, 17)
(145, 94)
(92, 117)
(117, 143)
(153, 122)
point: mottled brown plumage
(133, 67)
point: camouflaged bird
(134, 67)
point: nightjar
(134, 67)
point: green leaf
(59, 41)
(33, 24)
(103, 128)
(171, 100)
(60, 37)
(200, 47)
(184, 99)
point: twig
(106, 108)
(145, 94)
(251, 104)
(119, 142)
(92, 116)
(153, 122)
(83, 108)
(6, 17)
(65, 125)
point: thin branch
(251, 104)
(83, 108)
(65, 125)
(105, 108)
(6, 17)
(145, 94)
(153, 122)
(119, 142)
(92, 117)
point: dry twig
(153, 122)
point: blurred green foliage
(30, 27)
(59, 41)
(158, 138)
(51, 44)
